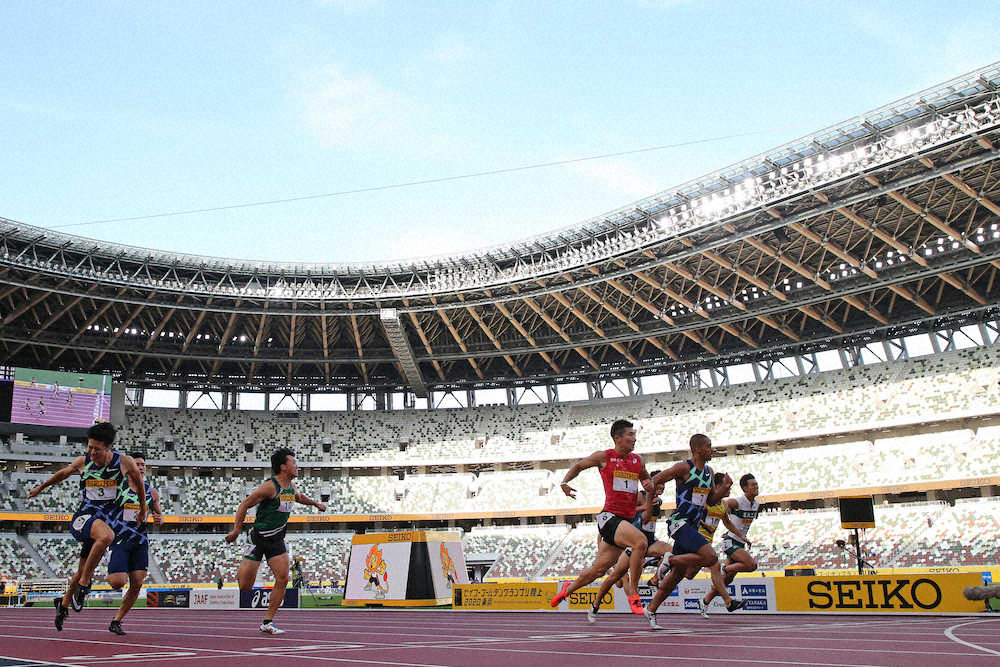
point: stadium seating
(15, 561)
(878, 394)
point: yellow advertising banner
(529, 595)
(910, 593)
(584, 599)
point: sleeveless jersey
(692, 494)
(710, 523)
(621, 483)
(99, 486)
(129, 506)
(743, 515)
(272, 514)
(647, 526)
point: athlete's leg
(117, 580)
(606, 556)
(279, 567)
(657, 549)
(627, 535)
(621, 568)
(718, 586)
(135, 579)
(741, 561)
(247, 574)
(666, 587)
(103, 536)
(74, 580)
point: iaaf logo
(758, 590)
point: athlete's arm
(647, 509)
(718, 490)
(645, 480)
(265, 491)
(676, 471)
(131, 471)
(598, 459)
(75, 467)
(157, 511)
(303, 499)
(734, 530)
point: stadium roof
(884, 224)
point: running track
(444, 638)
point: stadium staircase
(155, 573)
(39, 559)
(553, 552)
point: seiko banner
(909, 593)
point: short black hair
(718, 478)
(278, 459)
(138, 455)
(102, 432)
(745, 479)
(697, 439)
(619, 427)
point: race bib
(100, 489)
(622, 480)
(285, 502)
(699, 495)
(131, 512)
(81, 521)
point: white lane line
(950, 634)
(220, 652)
(727, 660)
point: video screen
(54, 398)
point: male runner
(622, 472)
(696, 490)
(735, 543)
(716, 513)
(645, 520)
(96, 519)
(275, 498)
(130, 550)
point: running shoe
(61, 613)
(116, 627)
(702, 608)
(663, 570)
(561, 595)
(651, 617)
(736, 604)
(80, 594)
(591, 616)
(636, 605)
(269, 628)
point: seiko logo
(874, 594)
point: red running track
(452, 639)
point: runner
(622, 472)
(735, 543)
(716, 513)
(275, 498)
(645, 520)
(130, 550)
(695, 491)
(94, 524)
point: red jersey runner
(621, 483)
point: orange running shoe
(635, 605)
(561, 595)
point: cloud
(344, 110)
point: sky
(120, 109)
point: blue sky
(120, 109)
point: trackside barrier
(909, 593)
